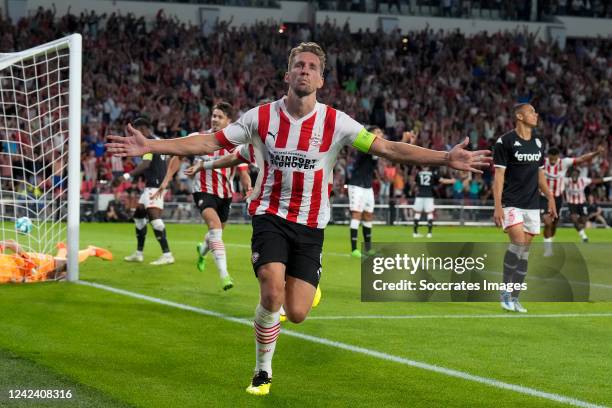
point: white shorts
(146, 200)
(361, 199)
(424, 204)
(529, 218)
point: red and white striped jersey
(296, 158)
(574, 190)
(215, 181)
(555, 174)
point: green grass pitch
(112, 350)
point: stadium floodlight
(40, 133)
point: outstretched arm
(588, 156)
(457, 158)
(601, 180)
(135, 144)
(11, 245)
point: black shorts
(220, 205)
(544, 204)
(580, 209)
(297, 246)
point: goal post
(40, 132)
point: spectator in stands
(116, 212)
(443, 85)
(595, 213)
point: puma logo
(273, 135)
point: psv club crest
(315, 140)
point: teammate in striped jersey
(212, 194)
(576, 199)
(555, 169)
(296, 141)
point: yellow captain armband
(148, 156)
(364, 141)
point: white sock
(582, 234)
(205, 247)
(267, 329)
(282, 310)
(548, 244)
(217, 247)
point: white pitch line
(361, 350)
(461, 316)
(230, 244)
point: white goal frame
(74, 44)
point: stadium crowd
(443, 86)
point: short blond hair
(307, 47)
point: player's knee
(158, 224)
(272, 293)
(272, 298)
(296, 316)
(141, 223)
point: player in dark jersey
(153, 169)
(519, 159)
(361, 196)
(425, 181)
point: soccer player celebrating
(21, 266)
(361, 196)
(212, 193)
(519, 158)
(296, 141)
(424, 202)
(555, 170)
(153, 167)
(574, 193)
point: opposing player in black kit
(361, 196)
(153, 168)
(424, 202)
(519, 159)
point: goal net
(40, 136)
